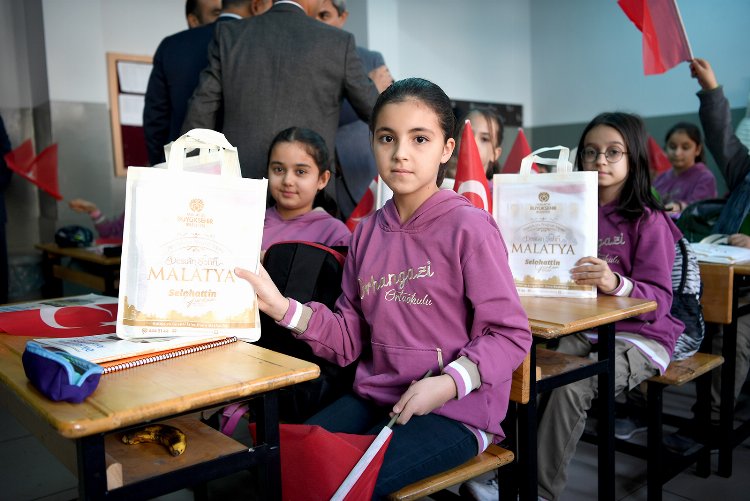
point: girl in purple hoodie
(299, 168)
(636, 253)
(426, 287)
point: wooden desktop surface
(156, 390)
(79, 253)
(553, 317)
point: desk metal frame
(528, 419)
(729, 437)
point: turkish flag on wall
(471, 180)
(365, 207)
(665, 42)
(519, 150)
(40, 170)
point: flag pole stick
(684, 33)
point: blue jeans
(424, 446)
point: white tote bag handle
(212, 145)
(561, 163)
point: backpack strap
(683, 275)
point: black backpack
(306, 272)
(686, 300)
(698, 219)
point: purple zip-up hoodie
(643, 251)
(314, 226)
(434, 293)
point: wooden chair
(491, 459)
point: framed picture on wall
(127, 77)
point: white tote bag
(548, 222)
(185, 232)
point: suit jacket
(355, 159)
(177, 65)
(275, 71)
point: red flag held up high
(519, 150)
(665, 42)
(657, 159)
(365, 207)
(40, 170)
(471, 180)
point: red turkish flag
(657, 159)
(519, 150)
(324, 460)
(50, 320)
(665, 42)
(365, 207)
(471, 180)
(40, 170)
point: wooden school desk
(85, 436)
(552, 318)
(102, 275)
(720, 300)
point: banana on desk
(170, 437)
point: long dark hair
(692, 131)
(636, 192)
(497, 130)
(427, 93)
(315, 146)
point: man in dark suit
(278, 70)
(177, 64)
(355, 163)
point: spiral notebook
(115, 354)
(130, 362)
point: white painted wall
(79, 33)
(587, 59)
(474, 49)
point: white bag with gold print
(548, 221)
(185, 232)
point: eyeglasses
(612, 155)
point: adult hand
(739, 240)
(702, 71)
(81, 205)
(594, 271)
(270, 300)
(423, 396)
(381, 77)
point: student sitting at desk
(299, 169)
(636, 253)
(426, 286)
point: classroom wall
(587, 58)
(552, 57)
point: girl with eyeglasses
(636, 253)
(689, 180)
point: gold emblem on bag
(543, 196)
(196, 205)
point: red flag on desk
(471, 180)
(365, 207)
(657, 159)
(315, 462)
(62, 318)
(665, 42)
(519, 150)
(40, 170)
